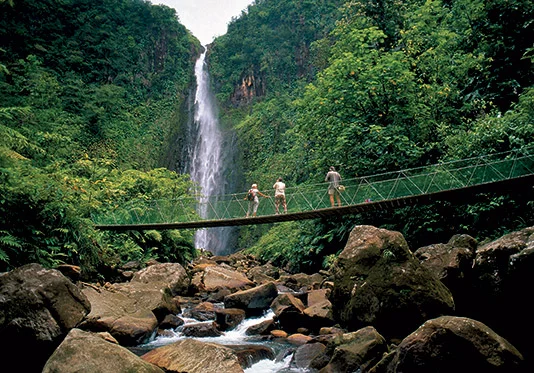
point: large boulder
(452, 263)
(87, 352)
(171, 275)
(289, 313)
(130, 312)
(453, 344)
(213, 278)
(500, 298)
(319, 309)
(356, 351)
(38, 307)
(254, 301)
(379, 282)
(192, 356)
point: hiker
(253, 199)
(333, 178)
(280, 195)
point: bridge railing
(380, 187)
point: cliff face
(250, 87)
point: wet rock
(38, 307)
(453, 344)
(359, 350)
(249, 355)
(254, 301)
(193, 356)
(305, 354)
(201, 329)
(171, 322)
(229, 318)
(87, 352)
(378, 282)
(262, 328)
(131, 312)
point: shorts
(333, 191)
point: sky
(206, 19)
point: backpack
(251, 195)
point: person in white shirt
(280, 195)
(333, 178)
(255, 201)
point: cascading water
(207, 159)
(237, 336)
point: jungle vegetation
(388, 85)
(91, 95)
(92, 91)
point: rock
(204, 311)
(359, 350)
(254, 301)
(453, 344)
(298, 339)
(302, 281)
(131, 312)
(201, 329)
(229, 318)
(193, 356)
(72, 272)
(171, 275)
(249, 355)
(305, 354)
(218, 277)
(319, 309)
(263, 274)
(289, 312)
(87, 352)
(38, 307)
(452, 263)
(378, 282)
(218, 296)
(262, 328)
(171, 322)
(279, 333)
(500, 295)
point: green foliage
(270, 45)
(389, 86)
(302, 246)
(89, 97)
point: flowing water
(237, 336)
(209, 158)
(209, 153)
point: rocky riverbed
(382, 308)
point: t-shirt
(334, 178)
(255, 191)
(279, 188)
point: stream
(236, 336)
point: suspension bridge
(453, 181)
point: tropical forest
(96, 97)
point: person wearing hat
(333, 178)
(254, 201)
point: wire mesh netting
(381, 187)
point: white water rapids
(235, 337)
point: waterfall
(207, 158)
